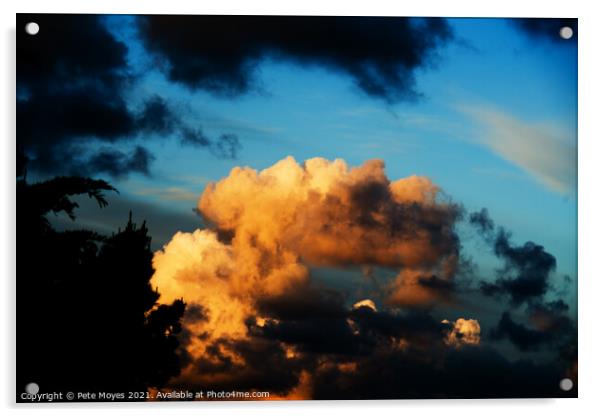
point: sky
(308, 112)
(485, 109)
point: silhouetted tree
(87, 316)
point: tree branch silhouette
(87, 316)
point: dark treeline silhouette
(87, 316)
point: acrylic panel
(295, 207)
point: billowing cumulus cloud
(257, 318)
(250, 270)
(329, 214)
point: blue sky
(495, 127)
(308, 111)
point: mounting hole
(566, 32)
(566, 384)
(32, 28)
(32, 388)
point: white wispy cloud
(544, 150)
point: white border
(589, 211)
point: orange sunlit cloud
(286, 218)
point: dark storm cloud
(417, 327)
(156, 116)
(470, 372)
(526, 273)
(549, 325)
(73, 77)
(520, 335)
(72, 83)
(316, 335)
(70, 78)
(117, 163)
(546, 28)
(304, 302)
(312, 319)
(482, 221)
(525, 280)
(221, 53)
(72, 47)
(316, 320)
(525, 276)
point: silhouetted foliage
(87, 316)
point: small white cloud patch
(365, 303)
(463, 332)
